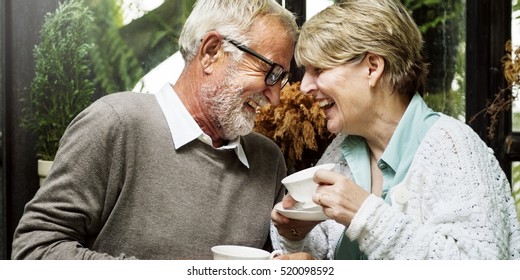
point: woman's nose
(308, 85)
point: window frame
(488, 28)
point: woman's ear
(209, 50)
(376, 67)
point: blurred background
(57, 57)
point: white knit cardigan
(458, 206)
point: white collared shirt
(183, 127)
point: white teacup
(236, 252)
(301, 186)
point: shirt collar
(414, 124)
(355, 152)
(183, 127)
(399, 154)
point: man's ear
(209, 50)
(376, 67)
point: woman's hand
(291, 229)
(295, 256)
(339, 196)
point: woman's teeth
(326, 103)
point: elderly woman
(417, 184)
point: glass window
(444, 32)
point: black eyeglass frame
(271, 78)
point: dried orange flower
(512, 65)
(297, 125)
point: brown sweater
(119, 189)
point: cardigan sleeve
(460, 205)
(322, 240)
(69, 210)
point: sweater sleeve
(460, 205)
(69, 210)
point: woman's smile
(326, 103)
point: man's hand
(291, 229)
(295, 256)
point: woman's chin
(332, 128)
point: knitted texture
(322, 240)
(460, 205)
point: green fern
(115, 66)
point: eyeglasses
(275, 74)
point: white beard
(226, 106)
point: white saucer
(314, 214)
(306, 206)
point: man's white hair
(232, 19)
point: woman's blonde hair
(347, 31)
(232, 19)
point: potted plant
(62, 85)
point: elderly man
(169, 175)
